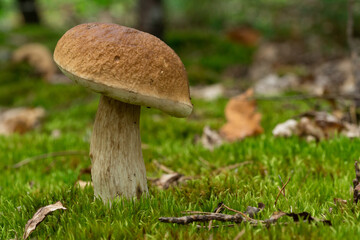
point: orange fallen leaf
(242, 118)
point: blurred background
(217, 40)
(274, 46)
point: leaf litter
(241, 217)
(172, 178)
(39, 216)
(242, 121)
(316, 126)
(20, 120)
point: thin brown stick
(231, 167)
(282, 183)
(216, 226)
(282, 192)
(283, 187)
(195, 212)
(49, 155)
(240, 234)
(206, 163)
(237, 218)
(241, 213)
(217, 211)
(163, 167)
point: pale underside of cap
(125, 64)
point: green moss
(320, 171)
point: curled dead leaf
(39, 216)
(242, 118)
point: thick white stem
(118, 168)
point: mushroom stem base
(118, 169)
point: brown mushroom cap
(125, 64)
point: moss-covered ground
(320, 171)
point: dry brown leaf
(242, 118)
(39, 216)
(20, 120)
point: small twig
(237, 218)
(282, 192)
(209, 165)
(240, 234)
(241, 213)
(282, 183)
(217, 226)
(230, 167)
(163, 167)
(218, 209)
(283, 187)
(195, 212)
(48, 155)
(356, 183)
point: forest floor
(319, 171)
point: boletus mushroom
(130, 69)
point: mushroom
(130, 69)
